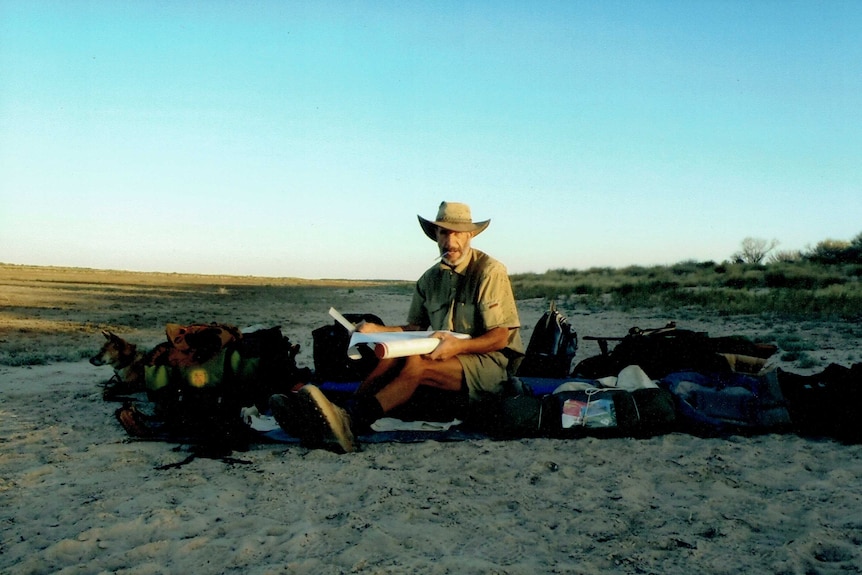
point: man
(467, 292)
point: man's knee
(444, 374)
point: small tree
(831, 252)
(754, 250)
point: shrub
(802, 288)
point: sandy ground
(78, 496)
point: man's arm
(494, 339)
(367, 327)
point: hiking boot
(328, 425)
(133, 421)
(288, 413)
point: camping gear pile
(669, 379)
(198, 382)
(211, 383)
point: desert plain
(77, 495)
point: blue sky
(302, 138)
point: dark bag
(330, 352)
(657, 351)
(570, 414)
(552, 347)
(264, 363)
(610, 412)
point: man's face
(453, 245)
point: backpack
(202, 377)
(330, 343)
(552, 347)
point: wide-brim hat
(454, 217)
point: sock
(364, 410)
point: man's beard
(444, 257)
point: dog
(127, 362)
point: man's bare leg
(446, 375)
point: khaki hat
(454, 217)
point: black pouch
(826, 403)
(656, 412)
(330, 343)
(514, 413)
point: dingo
(127, 361)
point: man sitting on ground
(467, 292)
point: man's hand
(494, 339)
(449, 346)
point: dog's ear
(107, 334)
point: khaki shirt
(473, 298)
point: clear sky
(301, 139)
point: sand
(78, 496)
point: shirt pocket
(438, 315)
(464, 318)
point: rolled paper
(397, 343)
(405, 347)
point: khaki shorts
(484, 373)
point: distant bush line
(802, 288)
